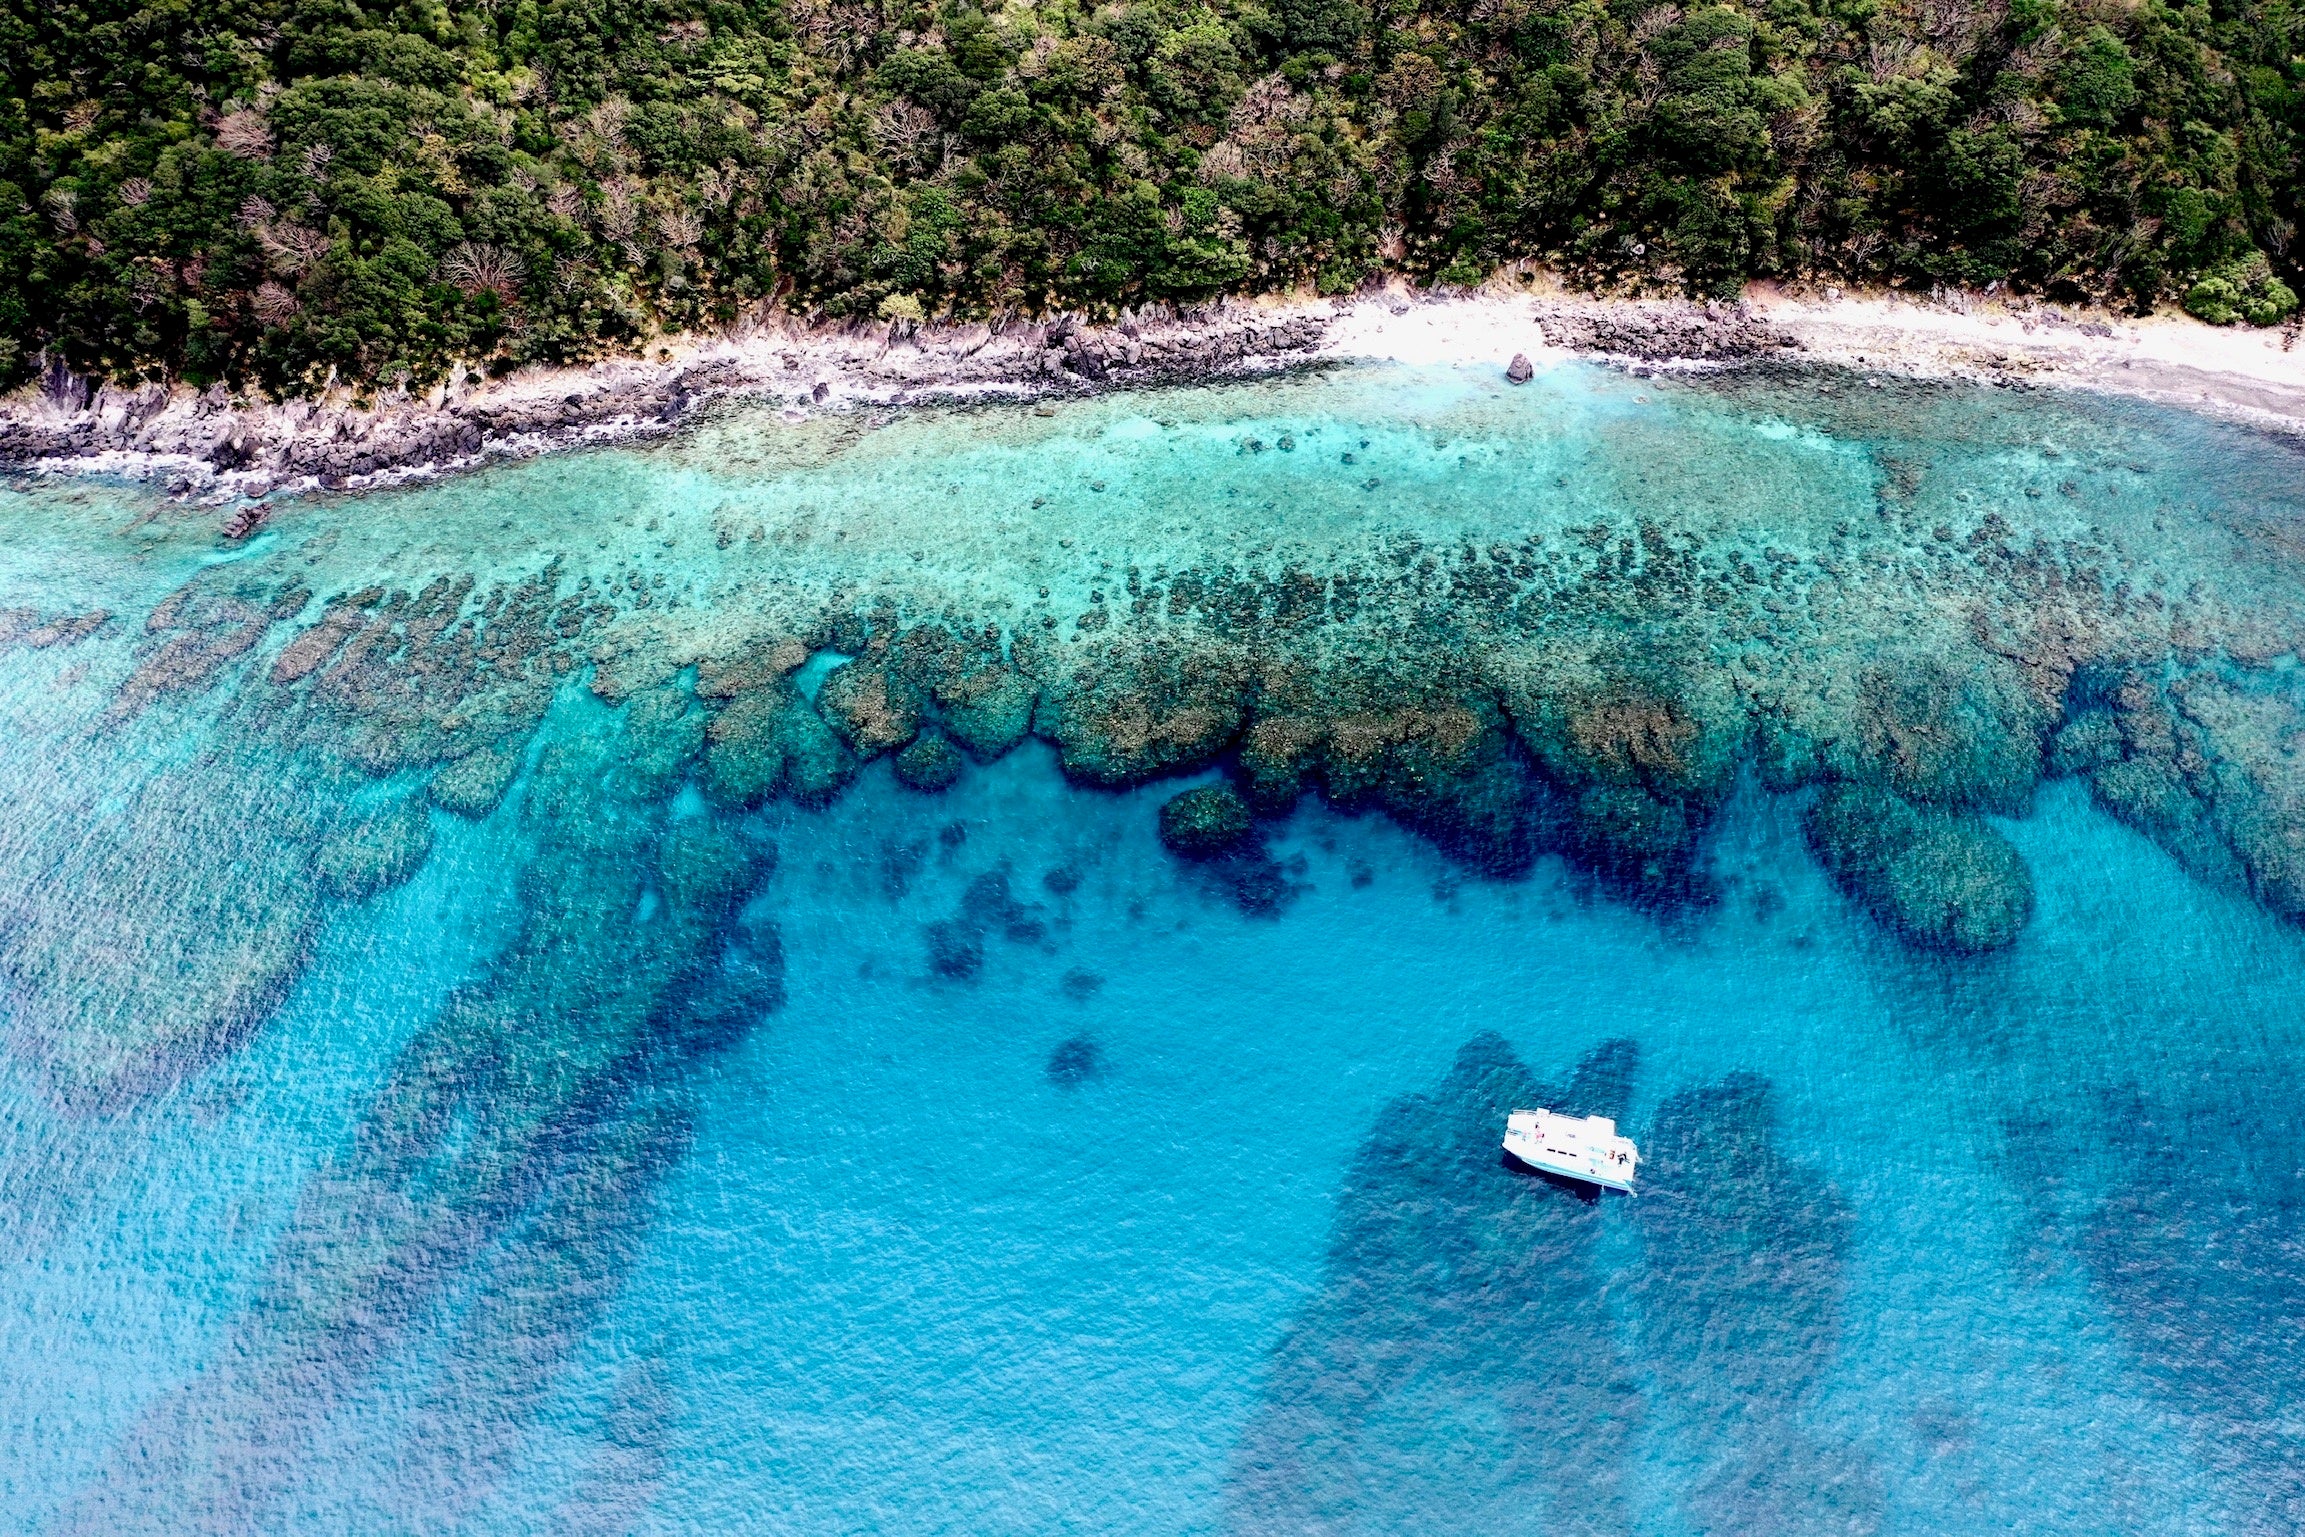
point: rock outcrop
(1944, 880)
(1662, 331)
(1205, 822)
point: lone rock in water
(1520, 370)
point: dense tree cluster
(280, 190)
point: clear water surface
(1163, 1216)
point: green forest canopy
(272, 191)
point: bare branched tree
(619, 212)
(274, 304)
(293, 247)
(477, 267)
(681, 227)
(1889, 55)
(906, 131)
(1223, 161)
(244, 132)
(135, 192)
(606, 121)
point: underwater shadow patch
(1737, 1311)
(1451, 1374)
(2198, 1246)
(491, 1201)
(956, 944)
(1075, 1061)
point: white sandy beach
(2240, 372)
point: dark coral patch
(1942, 880)
(1205, 822)
(928, 764)
(1075, 1061)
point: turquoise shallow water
(1045, 1182)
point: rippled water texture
(644, 991)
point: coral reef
(1944, 880)
(634, 949)
(1586, 685)
(376, 852)
(1206, 822)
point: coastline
(205, 448)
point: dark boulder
(1205, 823)
(1940, 879)
(930, 764)
(873, 710)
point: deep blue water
(1066, 1191)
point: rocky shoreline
(220, 450)
(207, 444)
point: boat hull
(1586, 1149)
(1583, 1174)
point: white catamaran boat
(1575, 1147)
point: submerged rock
(1942, 880)
(472, 785)
(873, 710)
(929, 764)
(987, 712)
(375, 853)
(1205, 822)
